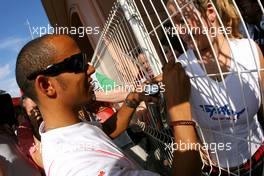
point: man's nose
(90, 70)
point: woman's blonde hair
(227, 13)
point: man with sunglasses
(53, 72)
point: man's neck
(58, 117)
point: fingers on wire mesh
(172, 65)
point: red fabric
(16, 101)
(105, 114)
(25, 138)
(26, 143)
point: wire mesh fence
(223, 63)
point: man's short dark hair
(35, 55)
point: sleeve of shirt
(119, 172)
(97, 165)
(127, 172)
(99, 171)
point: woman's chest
(235, 101)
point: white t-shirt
(81, 150)
(228, 121)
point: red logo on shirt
(101, 173)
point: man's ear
(45, 86)
(211, 13)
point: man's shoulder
(94, 164)
(73, 132)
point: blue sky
(14, 33)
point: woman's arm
(187, 161)
(36, 154)
(116, 95)
(119, 122)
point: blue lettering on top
(222, 110)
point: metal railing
(132, 50)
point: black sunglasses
(76, 63)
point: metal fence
(132, 49)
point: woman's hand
(177, 91)
(177, 84)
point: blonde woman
(224, 105)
